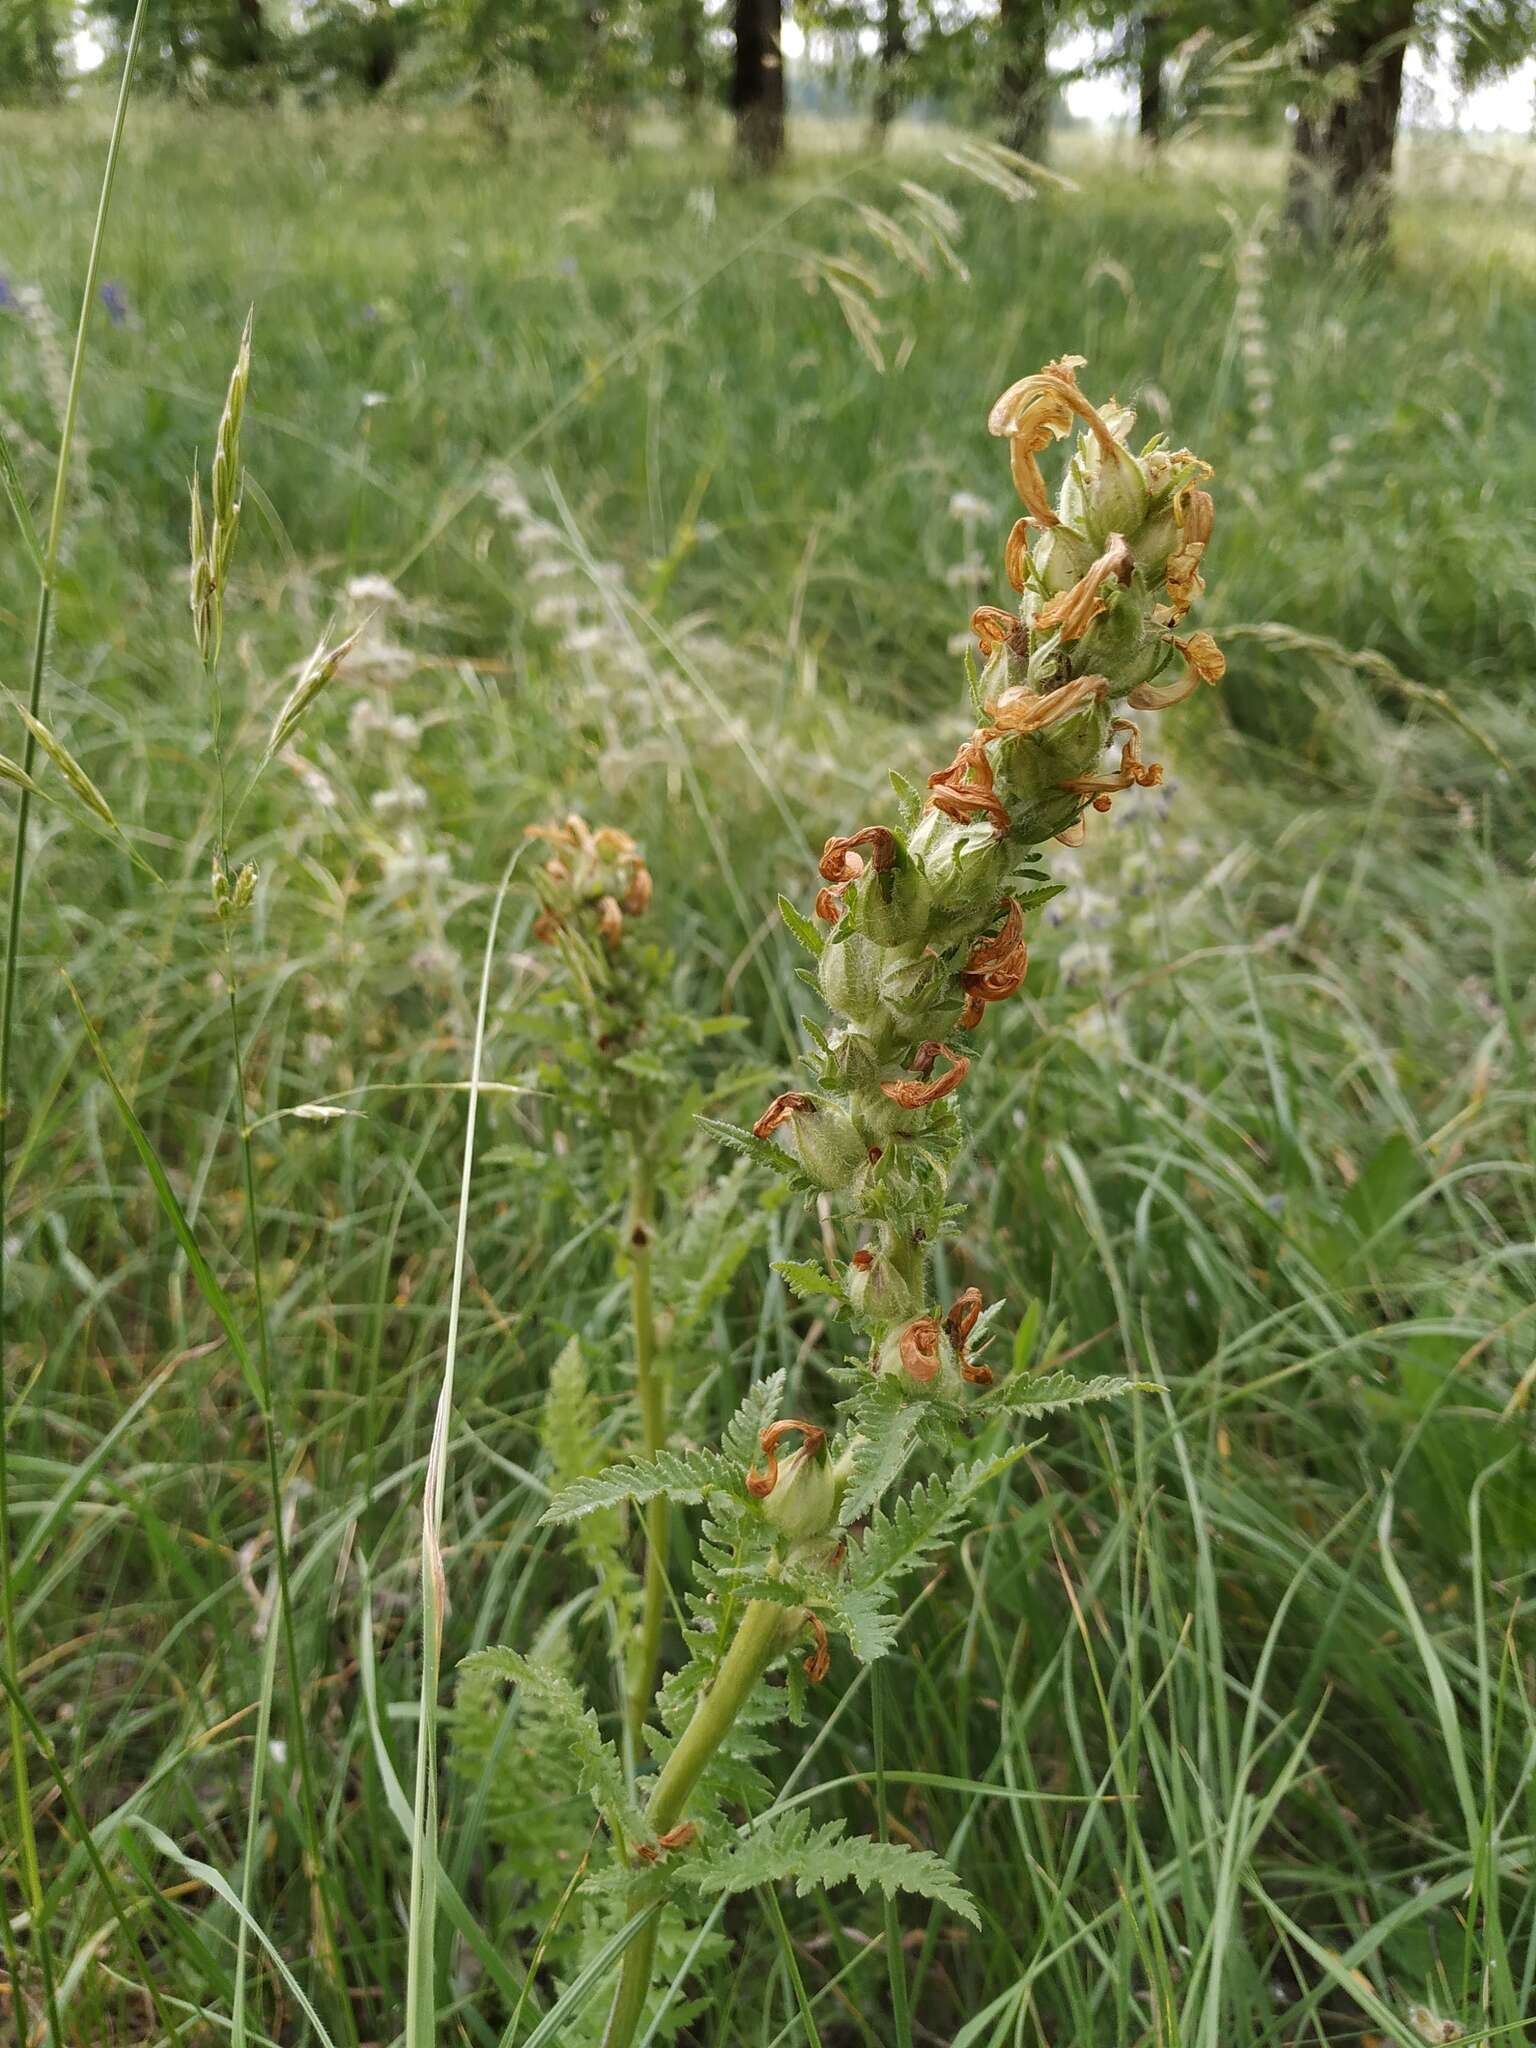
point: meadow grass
(1225, 1716)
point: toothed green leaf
(679, 1475)
(1043, 1393)
(599, 1771)
(772, 1156)
(802, 928)
(806, 1279)
(790, 1848)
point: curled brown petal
(675, 1838)
(545, 925)
(819, 1663)
(961, 804)
(779, 1111)
(1195, 512)
(862, 1261)
(1163, 696)
(1074, 835)
(920, 1093)
(839, 863)
(1016, 554)
(961, 1317)
(638, 896)
(919, 1348)
(611, 844)
(829, 902)
(761, 1484)
(1021, 709)
(996, 967)
(1133, 772)
(987, 954)
(610, 920)
(1036, 411)
(1075, 610)
(965, 787)
(995, 628)
(976, 1375)
(553, 835)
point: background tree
(757, 82)
(1025, 86)
(895, 50)
(29, 50)
(1351, 61)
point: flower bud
(1114, 488)
(1062, 557)
(879, 1289)
(849, 973)
(923, 1355)
(822, 1138)
(963, 863)
(800, 1496)
(893, 906)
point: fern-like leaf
(806, 1279)
(1032, 1394)
(760, 1405)
(680, 1475)
(598, 1769)
(888, 1428)
(790, 1848)
(773, 1157)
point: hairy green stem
(653, 1425)
(25, 1835)
(757, 1641)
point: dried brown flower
(919, 1349)
(920, 1093)
(779, 1111)
(819, 1663)
(1075, 610)
(1195, 512)
(839, 862)
(1022, 709)
(996, 967)
(761, 1484)
(965, 787)
(996, 628)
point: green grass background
(1223, 1759)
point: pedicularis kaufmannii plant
(918, 929)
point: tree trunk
(893, 57)
(690, 60)
(381, 57)
(1149, 35)
(1024, 84)
(757, 85)
(251, 32)
(1339, 188)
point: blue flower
(7, 296)
(115, 303)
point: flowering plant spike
(918, 929)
